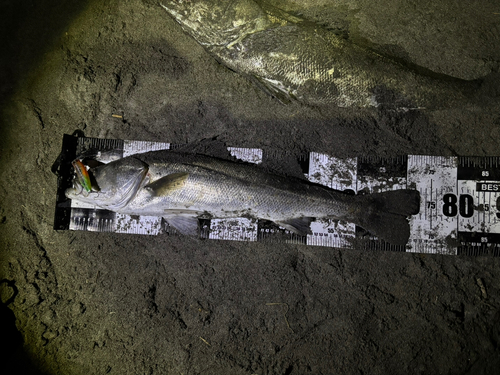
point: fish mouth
(84, 183)
(74, 191)
(78, 192)
(83, 178)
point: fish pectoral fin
(300, 226)
(187, 225)
(167, 184)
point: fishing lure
(83, 175)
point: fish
(295, 59)
(183, 187)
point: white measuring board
(459, 212)
(434, 177)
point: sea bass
(182, 187)
(292, 58)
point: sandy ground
(97, 303)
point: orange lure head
(83, 175)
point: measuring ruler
(459, 212)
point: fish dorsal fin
(300, 226)
(187, 225)
(168, 184)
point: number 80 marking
(463, 205)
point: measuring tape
(459, 212)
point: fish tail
(386, 214)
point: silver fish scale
(225, 189)
(296, 59)
(318, 68)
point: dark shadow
(12, 357)
(28, 29)
(376, 132)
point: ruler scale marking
(446, 224)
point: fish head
(112, 185)
(215, 22)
